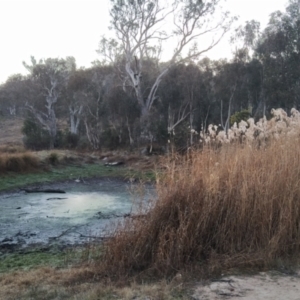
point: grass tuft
(53, 158)
(18, 162)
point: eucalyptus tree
(144, 29)
(100, 81)
(12, 94)
(245, 39)
(181, 94)
(48, 80)
(279, 52)
(77, 94)
(230, 90)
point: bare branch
(182, 115)
(139, 28)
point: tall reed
(239, 206)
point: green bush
(239, 116)
(110, 139)
(53, 159)
(71, 140)
(36, 138)
(83, 143)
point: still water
(85, 212)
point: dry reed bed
(234, 207)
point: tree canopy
(131, 96)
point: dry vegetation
(18, 162)
(10, 130)
(48, 283)
(236, 207)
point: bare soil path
(263, 286)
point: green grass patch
(85, 171)
(26, 261)
(52, 258)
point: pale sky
(60, 28)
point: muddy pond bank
(86, 212)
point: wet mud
(86, 212)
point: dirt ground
(263, 286)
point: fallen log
(114, 164)
(54, 191)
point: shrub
(2, 165)
(59, 140)
(30, 161)
(83, 143)
(20, 162)
(36, 138)
(14, 164)
(239, 116)
(110, 139)
(233, 208)
(71, 140)
(53, 159)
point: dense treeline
(103, 106)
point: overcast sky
(60, 28)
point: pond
(85, 212)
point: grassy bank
(51, 256)
(19, 168)
(31, 260)
(14, 180)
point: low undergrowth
(51, 257)
(52, 283)
(71, 274)
(30, 260)
(232, 208)
(19, 168)
(18, 162)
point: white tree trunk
(75, 118)
(12, 110)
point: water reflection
(39, 217)
(86, 204)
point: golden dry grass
(18, 162)
(235, 207)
